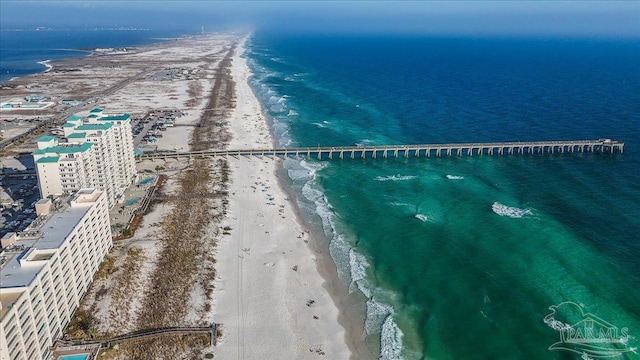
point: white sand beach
(269, 297)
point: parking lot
(149, 129)
(18, 194)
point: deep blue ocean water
(456, 257)
(462, 257)
(20, 51)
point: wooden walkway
(142, 334)
(424, 150)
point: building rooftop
(46, 138)
(49, 159)
(105, 126)
(96, 110)
(122, 117)
(64, 149)
(7, 299)
(78, 135)
(74, 117)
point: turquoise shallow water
(462, 257)
(457, 257)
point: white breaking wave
(292, 113)
(397, 203)
(390, 340)
(358, 267)
(352, 268)
(422, 217)
(512, 212)
(454, 177)
(395, 178)
(319, 125)
(296, 174)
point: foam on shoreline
(270, 295)
(363, 312)
(46, 63)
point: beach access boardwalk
(424, 150)
(139, 335)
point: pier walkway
(424, 150)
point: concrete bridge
(424, 150)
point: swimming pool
(131, 201)
(143, 182)
(74, 357)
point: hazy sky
(510, 18)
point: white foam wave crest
(289, 78)
(277, 108)
(351, 265)
(397, 203)
(390, 340)
(422, 217)
(512, 212)
(455, 177)
(319, 125)
(297, 174)
(274, 98)
(395, 178)
(313, 166)
(358, 268)
(352, 268)
(377, 312)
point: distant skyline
(502, 18)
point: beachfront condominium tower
(108, 164)
(125, 166)
(46, 270)
(63, 168)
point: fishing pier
(424, 150)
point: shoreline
(46, 63)
(306, 328)
(88, 52)
(270, 277)
(351, 306)
(350, 315)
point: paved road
(89, 103)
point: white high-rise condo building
(47, 268)
(97, 153)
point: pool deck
(60, 350)
(122, 213)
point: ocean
(452, 257)
(463, 257)
(21, 50)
